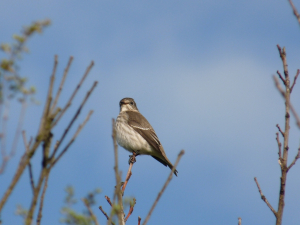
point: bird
(135, 134)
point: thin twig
(61, 84)
(282, 54)
(294, 161)
(72, 139)
(131, 209)
(108, 200)
(295, 78)
(74, 93)
(139, 220)
(280, 76)
(279, 145)
(25, 141)
(295, 11)
(49, 97)
(277, 84)
(104, 213)
(264, 198)
(280, 130)
(38, 221)
(18, 131)
(85, 201)
(73, 119)
(129, 173)
(31, 177)
(117, 193)
(164, 187)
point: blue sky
(200, 72)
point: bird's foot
(132, 157)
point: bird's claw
(132, 158)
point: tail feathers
(168, 163)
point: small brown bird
(135, 134)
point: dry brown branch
(73, 138)
(139, 220)
(61, 84)
(6, 158)
(240, 221)
(73, 119)
(108, 200)
(282, 54)
(277, 84)
(279, 145)
(280, 130)
(164, 187)
(294, 161)
(118, 192)
(74, 93)
(280, 76)
(25, 159)
(131, 209)
(295, 11)
(38, 221)
(129, 173)
(44, 136)
(295, 78)
(85, 201)
(43, 175)
(31, 177)
(104, 213)
(264, 198)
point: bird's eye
(131, 103)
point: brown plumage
(135, 133)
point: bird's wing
(140, 124)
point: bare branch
(280, 76)
(129, 172)
(277, 84)
(280, 130)
(74, 93)
(104, 213)
(282, 54)
(264, 198)
(279, 145)
(85, 201)
(164, 187)
(38, 221)
(31, 177)
(72, 139)
(139, 220)
(295, 78)
(117, 193)
(131, 209)
(25, 141)
(295, 11)
(73, 119)
(61, 84)
(294, 161)
(49, 97)
(108, 200)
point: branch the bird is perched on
(135, 134)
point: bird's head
(128, 104)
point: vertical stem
(286, 140)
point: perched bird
(135, 134)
